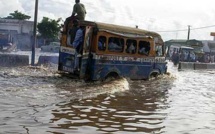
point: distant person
(192, 57)
(212, 58)
(79, 11)
(175, 57)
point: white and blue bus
(112, 50)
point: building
(209, 45)
(20, 30)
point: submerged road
(40, 101)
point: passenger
(79, 10)
(175, 57)
(101, 45)
(142, 50)
(113, 46)
(131, 49)
(78, 44)
(66, 23)
(72, 32)
(145, 49)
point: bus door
(85, 59)
(66, 59)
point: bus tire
(154, 74)
(110, 76)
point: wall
(21, 31)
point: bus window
(144, 48)
(131, 46)
(102, 43)
(115, 44)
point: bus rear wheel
(111, 76)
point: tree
(48, 28)
(18, 15)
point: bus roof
(124, 30)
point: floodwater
(40, 101)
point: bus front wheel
(154, 74)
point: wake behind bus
(109, 50)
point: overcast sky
(153, 15)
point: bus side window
(102, 43)
(115, 44)
(144, 48)
(131, 46)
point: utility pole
(188, 35)
(34, 34)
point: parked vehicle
(187, 54)
(52, 47)
(6, 43)
(182, 54)
(111, 51)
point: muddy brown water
(40, 101)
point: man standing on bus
(78, 44)
(79, 9)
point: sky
(169, 18)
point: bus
(113, 51)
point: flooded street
(40, 101)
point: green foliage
(49, 28)
(18, 15)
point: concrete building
(20, 30)
(209, 45)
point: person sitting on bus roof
(80, 10)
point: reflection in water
(131, 111)
(38, 100)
